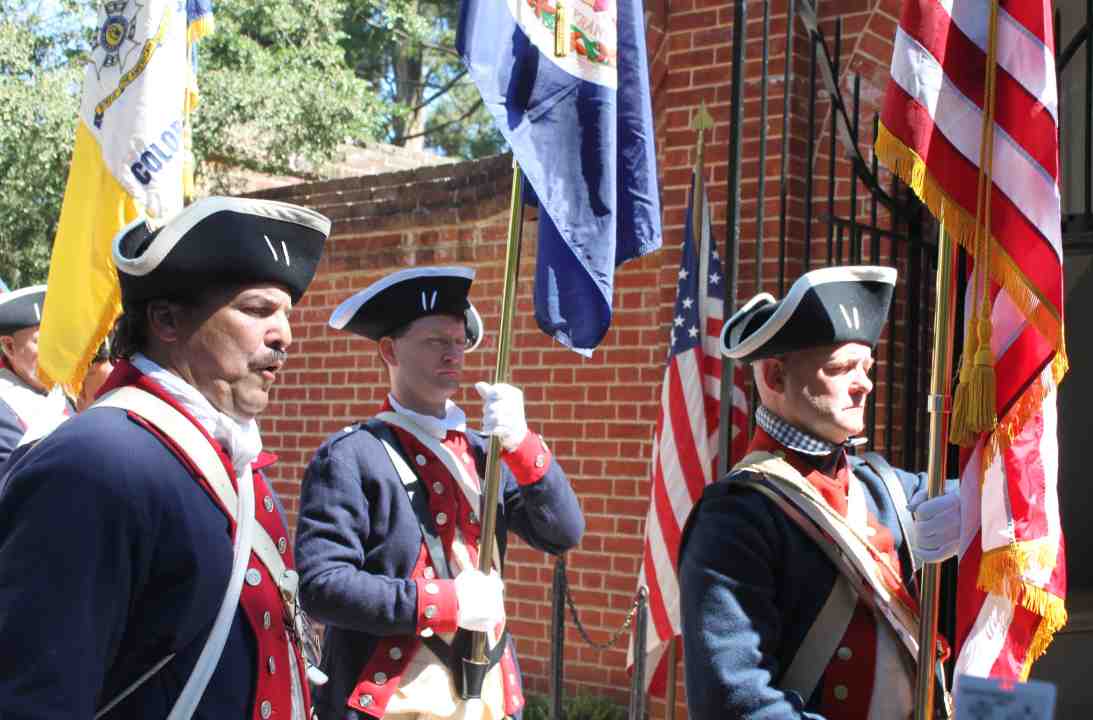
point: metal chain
(580, 627)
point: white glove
(480, 599)
(937, 525)
(503, 413)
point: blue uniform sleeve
(11, 431)
(731, 570)
(545, 513)
(70, 548)
(350, 576)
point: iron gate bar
(874, 259)
(880, 232)
(834, 122)
(760, 209)
(1088, 113)
(732, 221)
(787, 85)
(855, 240)
(1072, 47)
(810, 162)
(557, 641)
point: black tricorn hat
(21, 308)
(221, 240)
(829, 306)
(404, 296)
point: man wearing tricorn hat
(145, 570)
(794, 569)
(22, 395)
(390, 509)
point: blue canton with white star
(687, 329)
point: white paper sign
(988, 699)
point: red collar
(834, 488)
(125, 373)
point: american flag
(685, 443)
(1012, 575)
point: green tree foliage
(37, 127)
(283, 84)
(276, 93)
(432, 103)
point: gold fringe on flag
(1000, 573)
(911, 168)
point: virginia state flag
(129, 159)
(581, 128)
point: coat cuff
(529, 461)
(437, 607)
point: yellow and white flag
(131, 157)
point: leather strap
(419, 497)
(823, 638)
(899, 498)
(176, 426)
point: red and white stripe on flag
(1012, 580)
(685, 444)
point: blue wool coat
(751, 586)
(358, 540)
(112, 556)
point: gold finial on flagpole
(701, 122)
(561, 30)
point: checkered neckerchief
(793, 438)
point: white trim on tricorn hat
(221, 238)
(21, 308)
(734, 346)
(404, 296)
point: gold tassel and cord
(976, 412)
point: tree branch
(407, 36)
(442, 90)
(439, 127)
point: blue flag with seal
(580, 125)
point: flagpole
(941, 373)
(475, 667)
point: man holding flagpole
(794, 568)
(391, 516)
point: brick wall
(598, 414)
